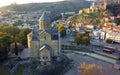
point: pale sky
(8, 2)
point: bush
(109, 40)
(91, 69)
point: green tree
(77, 38)
(117, 21)
(61, 29)
(109, 40)
(16, 48)
(5, 40)
(3, 53)
(10, 34)
(85, 40)
(22, 37)
(10, 30)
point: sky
(8, 2)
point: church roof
(45, 17)
(34, 38)
(53, 32)
(34, 35)
(54, 37)
(45, 46)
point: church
(44, 42)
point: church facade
(43, 43)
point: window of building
(43, 57)
(44, 37)
(46, 57)
(45, 63)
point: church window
(36, 46)
(45, 63)
(43, 57)
(45, 38)
(46, 57)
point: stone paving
(24, 53)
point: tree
(109, 40)
(10, 34)
(90, 69)
(16, 48)
(19, 47)
(3, 53)
(85, 40)
(13, 34)
(5, 40)
(10, 30)
(117, 21)
(22, 37)
(61, 29)
(77, 38)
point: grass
(4, 70)
(19, 70)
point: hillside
(53, 6)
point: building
(104, 4)
(93, 8)
(115, 36)
(90, 27)
(80, 11)
(43, 43)
(99, 34)
(86, 10)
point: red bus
(107, 51)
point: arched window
(44, 37)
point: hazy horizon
(8, 2)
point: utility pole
(59, 40)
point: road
(80, 58)
(93, 46)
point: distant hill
(67, 5)
(55, 7)
(63, 6)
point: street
(95, 45)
